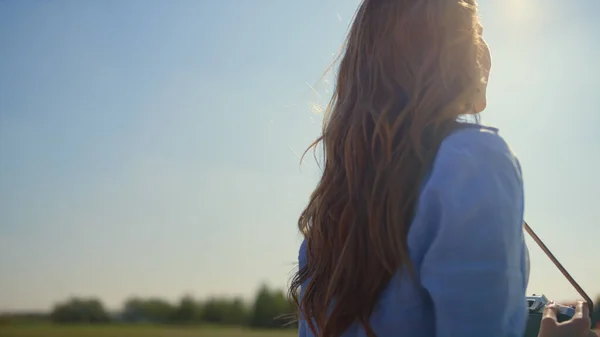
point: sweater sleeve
(474, 265)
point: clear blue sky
(148, 147)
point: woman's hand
(578, 326)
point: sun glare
(521, 10)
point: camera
(536, 305)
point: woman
(415, 228)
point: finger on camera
(551, 310)
(549, 319)
(582, 316)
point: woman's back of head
(409, 69)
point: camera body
(536, 305)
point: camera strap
(560, 267)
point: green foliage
(225, 311)
(78, 310)
(238, 313)
(150, 310)
(188, 311)
(271, 309)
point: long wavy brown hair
(408, 70)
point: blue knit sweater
(466, 243)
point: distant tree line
(270, 309)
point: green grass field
(134, 331)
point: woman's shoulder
(474, 150)
(476, 139)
